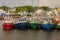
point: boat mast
(32, 2)
(37, 4)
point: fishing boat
(34, 23)
(47, 24)
(22, 24)
(8, 23)
(58, 23)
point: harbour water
(28, 35)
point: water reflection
(29, 35)
(6, 32)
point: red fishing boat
(8, 23)
(58, 23)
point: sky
(15, 3)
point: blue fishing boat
(22, 24)
(47, 25)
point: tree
(29, 9)
(46, 8)
(5, 8)
(24, 8)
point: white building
(2, 11)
